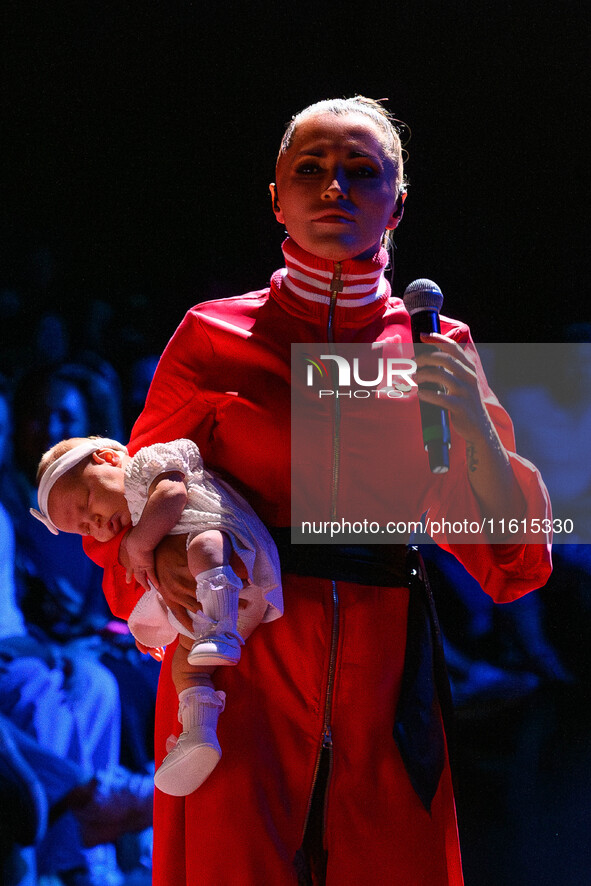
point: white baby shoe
(195, 754)
(216, 649)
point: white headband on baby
(57, 469)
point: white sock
(200, 706)
(218, 592)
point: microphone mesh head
(422, 295)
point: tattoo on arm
(471, 457)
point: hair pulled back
(359, 104)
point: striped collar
(361, 282)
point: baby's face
(91, 501)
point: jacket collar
(304, 286)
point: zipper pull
(336, 286)
(327, 738)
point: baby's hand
(144, 575)
(157, 652)
(141, 563)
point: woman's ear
(398, 211)
(275, 201)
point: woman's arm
(175, 407)
(177, 585)
(501, 483)
(489, 469)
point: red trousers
(244, 826)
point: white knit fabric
(211, 504)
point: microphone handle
(434, 419)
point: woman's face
(336, 187)
(59, 412)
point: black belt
(378, 565)
(424, 693)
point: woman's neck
(358, 282)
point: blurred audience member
(61, 589)
(140, 377)
(49, 802)
(57, 693)
(495, 654)
(552, 416)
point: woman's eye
(365, 172)
(307, 168)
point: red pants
(244, 826)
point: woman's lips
(333, 219)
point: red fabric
(224, 381)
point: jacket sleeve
(506, 571)
(121, 597)
(176, 406)
(178, 403)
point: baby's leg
(217, 640)
(208, 550)
(194, 755)
(185, 675)
(191, 759)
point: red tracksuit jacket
(336, 657)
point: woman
(312, 786)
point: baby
(92, 486)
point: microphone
(423, 300)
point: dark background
(138, 141)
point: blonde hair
(59, 449)
(358, 104)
